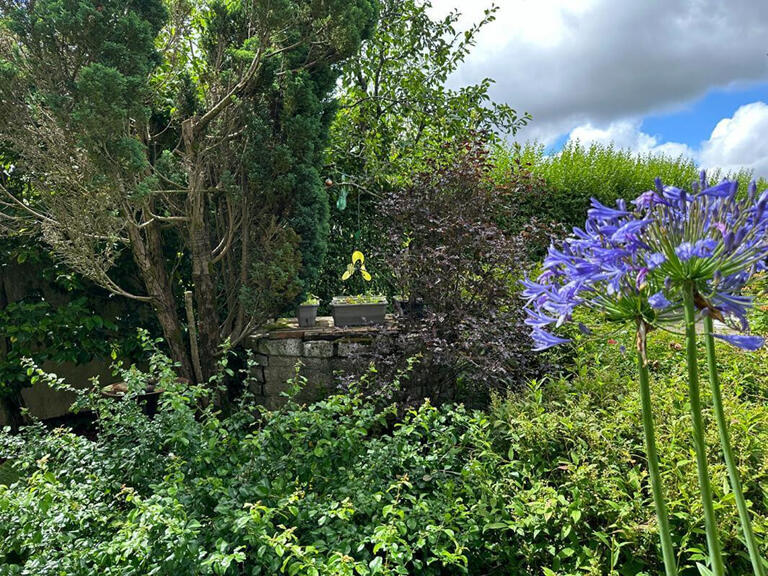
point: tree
(396, 111)
(396, 115)
(190, 134)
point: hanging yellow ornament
(357, 258)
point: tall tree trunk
(203, 287)
(148, 255)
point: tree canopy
(190, 133)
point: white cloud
(627, 134)
(737, 142)
(571, 63)
(740, 141)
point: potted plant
(361, 310)
(306, 312)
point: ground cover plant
(550, 480)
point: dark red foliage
(446, 247)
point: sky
(674, 76)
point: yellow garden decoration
(357, 257)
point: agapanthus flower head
(603, 266)
(713, 240)
(628, 264)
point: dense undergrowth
(548, 481)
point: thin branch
(39, 216)
(226, 242)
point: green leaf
(8, 474)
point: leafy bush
(550, 481)
(50, 314)
(568, 180)
(445, 248)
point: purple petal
(585, 329)
(545, 340)
(658, 301)
(648, 199)
(743, 341)
(655, 260)
(631, 227)
(704, 248)
(725, 189)
(684, 251)
(538, 319)
(673, 193)
(641, 276)
(602, 212)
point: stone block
(283, 347)
(285, 361)
(276, 379)
(256, 373)
(347, 348)
(318, 349)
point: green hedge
(569, 179)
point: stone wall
(44, 402)
(322, 354)
(18, 281)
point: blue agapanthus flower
(626, 262)
(603, 266)
(714, 239)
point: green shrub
(549, 481)
(568, 180)
(52, 315)
(759, 319)
(583, 438)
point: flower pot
(307, 315)
(147, 399)
(358, 313)
(409, 309)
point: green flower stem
(725, 443)
(713, 542)
(670, 565)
